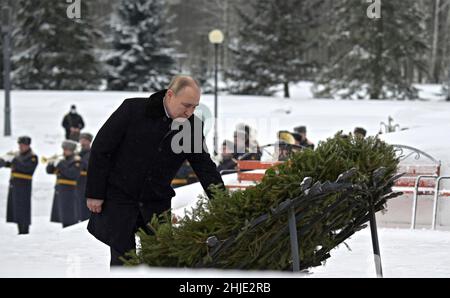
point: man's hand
(94, 205)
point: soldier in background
(73, 124)
(67, 171)
(284, 146)
(301, 130)
(184, 176)
(227, 161)
(359, 132)
(85, 142)
(23, 165)
(298, 138)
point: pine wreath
(330, 188)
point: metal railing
(436, 198)
(400, 150)
(415, 198)
(403, 154)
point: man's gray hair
(181, 81)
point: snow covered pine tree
(369, 54)
(52, 50)
(142, 58)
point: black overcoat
(132, 164)
(20, 184)
(65, 199)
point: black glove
(51, 168)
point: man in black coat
(134, 158)
(73, 124)
(22, 167)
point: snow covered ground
(51, 251)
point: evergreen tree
(142, 58)
(271, 45)
(368, 55)
(52, 50)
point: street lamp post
(448, 85)
(6, 30)
(216, 38)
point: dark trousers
(119, 221)
(115, 258)
(129, 244)
(23, 229)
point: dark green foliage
(271, 47)
(52, 51)
(327, 213)
(368, 56)
(142, 58)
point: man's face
(226, 152)
(183, 104)
(23, 148)
(67, 152)
(85, 144)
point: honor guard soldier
(360, 132)
(22, 164)
(67, 169)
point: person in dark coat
(228, 163)
(85, 142)
(73, 124)
(301, 130)
(22, 165)
(134, 158)
(184, 176)
(67, 171)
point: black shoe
(23, 230)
